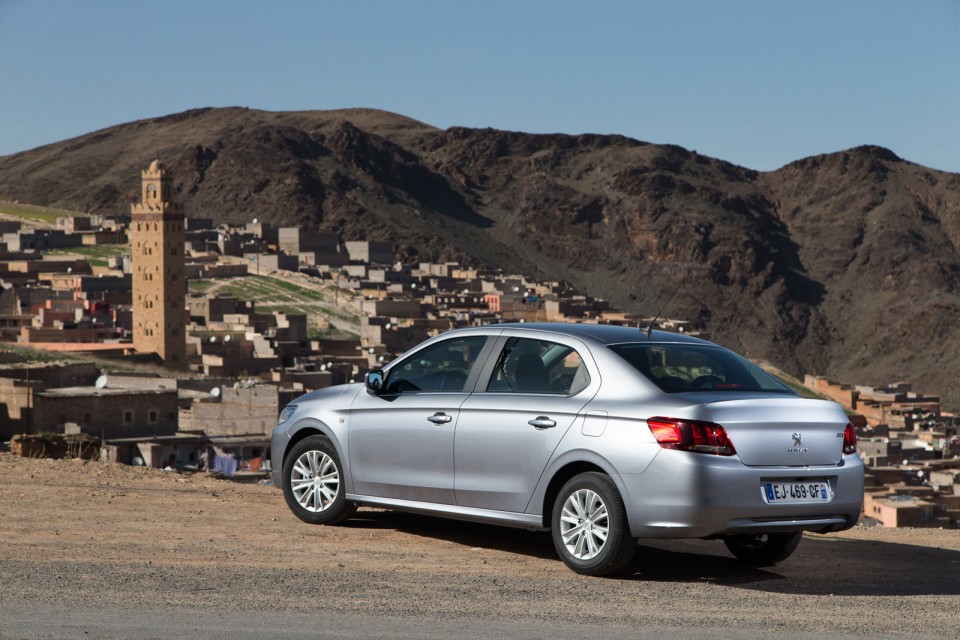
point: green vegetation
(29, 354)
(310, 294)
(200, 285)
(273, 294)
(288, 309)
(96, 255)
(48, 215)
(790, 381)
(274, 290)
(105, 365)
(330, 334)
(799, 388)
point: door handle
(542, 422)
(439, 418)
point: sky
(760, 83)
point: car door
(401, 441)
(528, 397)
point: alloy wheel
(584, 524)
(315, 481)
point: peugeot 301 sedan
(603, 435)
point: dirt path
(125, 539)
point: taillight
(691, 435)
(849, 439)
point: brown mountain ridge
(843, 264)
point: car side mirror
(374, 381)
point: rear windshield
(693, 367)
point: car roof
(602, 333)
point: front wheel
(313, 482)
(589, 526)
(765, 549)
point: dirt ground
(90, 534)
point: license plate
(784, 492)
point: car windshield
(677, 368)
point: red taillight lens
(849, 439)
(665, 431)
(691, 435)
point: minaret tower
(159, 286)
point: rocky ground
(112, 538)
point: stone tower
(159, 286)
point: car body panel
(396, 452)
(323, 411)
(792, 432)
(499, 455)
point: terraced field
(290, 293)
(46, 216)
(95, 255)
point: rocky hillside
(844, 264)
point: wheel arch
(568, 470)
(311, 427)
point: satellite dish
(370, 350)
(255, 221)
(215, 392)
(323, 367)
(226, 338)
(213, 339)
(69, 269)
(388, 325)
(101, 382)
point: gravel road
(91, 550)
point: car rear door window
(538, 366)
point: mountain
(844, 264)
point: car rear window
(676, 368)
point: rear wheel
(763, 549)
(589, 526)
(313, 482)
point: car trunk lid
(794, 432)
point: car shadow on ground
(822, 565)
(536, 544)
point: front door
(401, 441)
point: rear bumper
(686, 495)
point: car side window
(538, 366)
(444, 366)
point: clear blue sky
(756, 82)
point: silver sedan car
(604, 435)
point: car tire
(589, 526)
(763, 550)
(313, 482)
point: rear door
(528, 396)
